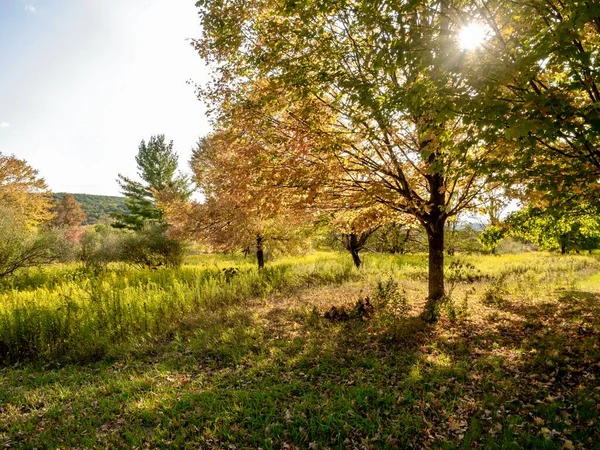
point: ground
(514, 362)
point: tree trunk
(260, 256)
(564, 242)
(435, 238)
(353, 243)
(355, 258)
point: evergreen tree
(157, 166)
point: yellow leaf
(538, 421)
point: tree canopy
(537, 85)
(337, 99)
(23, 191)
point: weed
(389, 297)
(229, 273)
(460, 271)
(458, 311)
(496, 291)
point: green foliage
(100, 246)
(157, 166)
(97, 208)
(462, 237)
(398, 238)
(543, 99)
(151, 247)
(74, 314)
(389, 297)
(558, 229)
(491, 237)
(22, 247)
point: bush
(23, 247)
(151, 247)
(390, 297)
(101, 245)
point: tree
(538, 90)
(70, 216)
(357, 99)
(491, 237)
(400, 238)
(558, 229)
(21, 246)
(157, 166)
(232, 217)
(356, 225)
(22, 190)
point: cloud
(4, 124)
(30, 8)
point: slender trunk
(353, 243)
(260, 256)
(435, 238)
(564, 240)
(355, 257)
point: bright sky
(82, 82)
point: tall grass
(67, 313)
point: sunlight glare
(472, 36)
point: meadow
(308, 353)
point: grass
(262, 367)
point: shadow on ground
(511, 375)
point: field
(218, 355)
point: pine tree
(157, 166)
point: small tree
(69, 216)
(22, 246)
(356, 226)
(151, 247)
(233, 216)
(157, 166)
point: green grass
(68, 313)
(249, 367)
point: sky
(82, 82)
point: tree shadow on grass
(292, 378)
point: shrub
(494, 294)
(101, 245)
(151, 247)
(389, 296)
(460, 271)
(23, 247)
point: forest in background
(97, 208)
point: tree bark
(354, 244)
(260, 255)
(435, 238)
(355, 258)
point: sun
(472, 36)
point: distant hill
(97, 207)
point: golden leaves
(23, 191)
